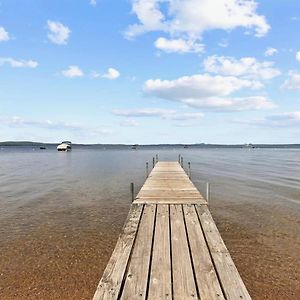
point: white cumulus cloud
(292, 82)
(231, 103)
(4, 35)
(298, 55)
(93, 2)
(111, 74)
(72, 71)
(14, 63)
(178, 45)
(208, 92)
(196, 86)
(193, 17)
(270, 51)
(248, 67)
(58, 33)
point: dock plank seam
(171, 256)
(190, 253)
(212, 260)
(129, 258)
(151, 254)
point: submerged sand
(47, 262)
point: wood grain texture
(160, 285)
(169, 184)
(110, 283)
(183, 279)
(206, 277)
(137, 276)
(230, 279)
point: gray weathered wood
(137, 276)
(183, 279)
(206, 277)
(167, 184)
(110, 283)
(160, 285)
(231, 281)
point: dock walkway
(170, 247)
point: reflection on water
(61, 213)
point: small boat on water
(249, 146)
(42, 147)
(64, 146)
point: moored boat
(65, 146)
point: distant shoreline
(127, 146)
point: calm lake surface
(61, 214)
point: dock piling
(181, 161)
(147, 169)
(190, 174)
(156, 158)
(153, 162)
(207, 192)
(132, 191)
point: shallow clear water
(61, 213)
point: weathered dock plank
(160, 286)
(230, 279)
(183, 278)
(170, 247)
(169, 184)
(137, 276)
(206, 276)
(110, 283)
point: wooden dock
(170, 247)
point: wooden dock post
(181, 161)
(147, 169)
(153, 162)
(207, 192)
(170, 247)
(190, 174)
(156, 158)
(132, 191)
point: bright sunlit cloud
(246, 66)
(111, 74)
(178, 45)
(58, 33)
(4, 35)
(72, 71)
(270, 51)
(17, 63)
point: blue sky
(150, 71)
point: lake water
(61, 213)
